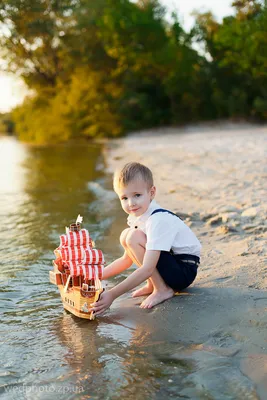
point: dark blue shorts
(176, 273)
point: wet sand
(215, 177)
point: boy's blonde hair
(130, 172)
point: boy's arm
(138, 276)
(117, 266)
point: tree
(33, 43)
(238, 51)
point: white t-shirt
(165, 231)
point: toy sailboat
(78, 270)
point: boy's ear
(153, 192)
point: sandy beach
(215, 177)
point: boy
(164, 248)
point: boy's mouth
(134, 210)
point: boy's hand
(103, 303)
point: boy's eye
(138, 195)
(124, 198)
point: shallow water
(46, 352)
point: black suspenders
(163, 210)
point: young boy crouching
(164, 248)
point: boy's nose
(131, 202)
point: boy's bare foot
(156, 298)
(145, 290)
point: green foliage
(90, 104)
(78, 109)
(41, 122)
(238, 49)
(100, 68)
(32, 44)
(6, 123)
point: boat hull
(76, 300)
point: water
(47, 353)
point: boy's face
(136, 197)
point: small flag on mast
(79, 219)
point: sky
(220, 8)
(12, 89)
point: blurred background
(101, 69)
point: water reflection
(56, 180)
(107, 359)
(11, 175)
(41, 189)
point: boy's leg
(148, 288)
(123, 242)
(136, 242)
